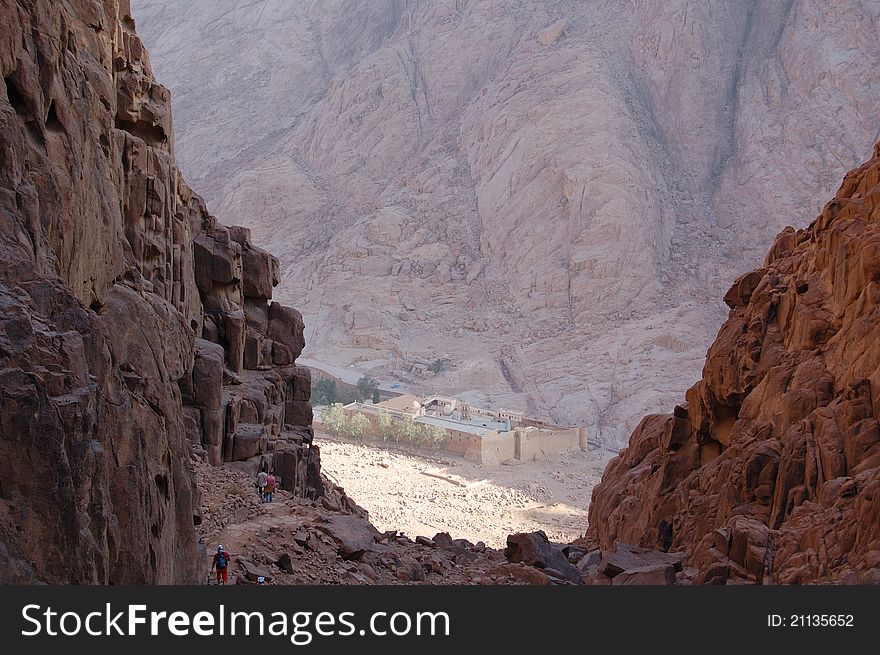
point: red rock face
(123, 319)
(771, 469)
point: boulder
(234, 338)
(259, 272)
(281, 354)
(443, 539)
(207, 374)
(300, 383)
(290, 462)
(742, 289)
(253, 571)
(285, 563)
(589, 562)
(535, 549)
(353, 535)
(240, 234)
(522, 573)
(217, 258)
(410, 571)
(257, 315)
(212, 434)
(286, 327)
(249, 441)
(552, 33)
(627, 557)
(654, 574)
(298, 413)
(192, 424)
(251, 359)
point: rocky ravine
(553, 193)
(139, 350)
(136, 332)
(329, 540)
(770, 471)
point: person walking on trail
(221, 563)
(262, 476)
(269, 488)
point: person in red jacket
(221, 563)
(269, 489)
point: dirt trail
(295, 541)
(278, 515)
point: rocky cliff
(770, 471)
(552, 194)
(136, 332)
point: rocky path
(330, 541)
(298, 541)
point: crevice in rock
(152, 135)
(53, 123)
(162, 484)
(25, 113)
(16, 99)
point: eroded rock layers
(135, 330)
(771, 469)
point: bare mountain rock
(552, 194)
(771, 469)
(122, 316)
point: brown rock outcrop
(536, 550)
(123, 313)
(771, 470)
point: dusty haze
(554, 195)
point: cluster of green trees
(324, 392)
(407, 431)
(367, 389)
(340, 425)
(402, 431)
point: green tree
(334, 419)
(386, 427)
(356, 426)
(436, 437)
(324, 392)
(366, 387)
(407, 431)
(376, 397)
(438, 365)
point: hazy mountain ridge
(554, 194)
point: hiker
(221, 563)
(269, 489)
(262, 476)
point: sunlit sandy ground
(423, 495)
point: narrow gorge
(146, 369)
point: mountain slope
(771, 469)
(552, 194)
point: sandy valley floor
(421, 495)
